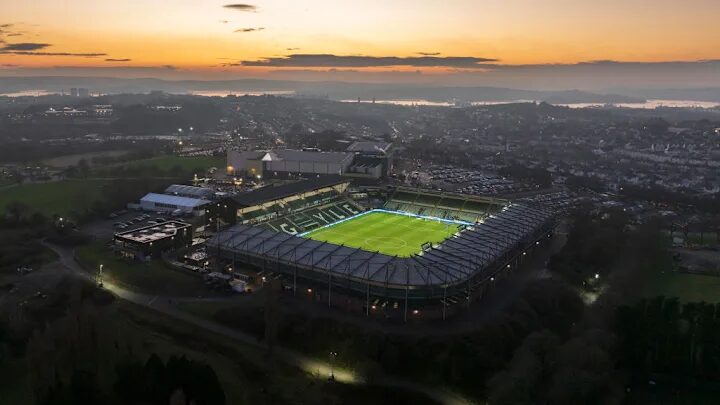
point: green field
(154, 277)
(387, 233)
(55, 198)
(168, 162)
(686, 287)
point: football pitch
(388, 233)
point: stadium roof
(368, 146)
(271, 193)
(174, 200)
(190, 191)
(474, 251)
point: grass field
(154, 277)
(65, 161)
(166, 163)
(686, 287)
(387, 233)
(55, 198)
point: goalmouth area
(391, 233)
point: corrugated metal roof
(189, 191)
(174, 200)
(369, 146)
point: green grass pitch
(387, 233)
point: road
(317, 367)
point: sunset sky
(210, 38)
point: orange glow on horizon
(199, 36)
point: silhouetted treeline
(177, 381)
(661, 335)
(463, 360)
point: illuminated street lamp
(332, 365)
(99, 277)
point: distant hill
(331, 90)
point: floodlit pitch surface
(387, 233)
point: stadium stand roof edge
(286, 190)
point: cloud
(292, 49)
(249, 29)
(118, 60)
(329, 60)
(169, 67)
(36, 49)
(428, 53)
(23, 46)
(242, 7)
(82, 55)
(6, 25)
(224, 21)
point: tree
(17, 211)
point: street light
(332, 365)
(100, 275)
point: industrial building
(361, 159)
(182, 190)
(152, 240)
(288, 163)
(173, 204)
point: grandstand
(422, 246)
(443, 205)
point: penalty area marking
(386, 241)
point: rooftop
(174, 200)
(271, 193)
(306, 156)
(189, 191)
(369, 146)
(153, 233)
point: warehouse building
(182, 190)
(174, 205)
(287, 163)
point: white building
(173, 204)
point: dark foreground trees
(156, 382)
(660, 335)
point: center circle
(386, 241)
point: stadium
(401, 251)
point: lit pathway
(316, 367)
